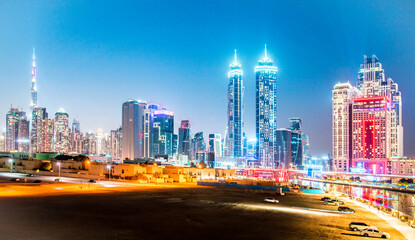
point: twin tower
(266, 112)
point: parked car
(14, 171)
(340, 202)
(37, 181)
(271, 200)
(374, 233)
(29, 175)
(331, 202)
(345, 209)
(325, 198)
(358, 226)
(15, 179)
(92, 181)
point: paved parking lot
(178, 213)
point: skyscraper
(266, 111)
(296, 141)
(367, 121)
(215, 145)
(283, 148)
(115, 142)
(12, 129)
(76, 137)
(198, 145)
(373, 82)
(371, 135)
(33, 102)
(184, 138)
(175, 137)
(234, 140)
(89, 143)
(343, 93)
(135, 143)
(62, 132)
(39, 116)
(162, 132)
(48, 135)
(2, 142)
(23, 133)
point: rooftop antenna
(266, 51)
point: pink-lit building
(371, 132)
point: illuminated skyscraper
(296, 141)
(2, 142)
(23, 134)
(162, 132)
(12, 129)
(48, 135)
(115, 142)
(283, 148)
(39, 117)
(234, 140)
(76, 137)
(184, 138)
(373, 82)
(215, 145)
(343, 93)
(62, 132)
(367, 121)
(371, 128)
(266, 111)
(198, 145)
(89, 143)
(33, 102)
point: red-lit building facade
(371, 132)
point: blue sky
(93, 55)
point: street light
(109, 172)
(11, 165)
(59, 164)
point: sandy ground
(173, 212)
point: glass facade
(234, 139)
(266, 112)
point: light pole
(109, 172)
(59, 164)
(11, 165)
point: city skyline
(199, 112)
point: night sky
(94, 55)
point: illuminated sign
(163, 112)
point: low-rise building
(402, 166)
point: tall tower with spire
(266, 112)
(234, 139)
(33, 100)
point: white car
(359, 226)
(374, 233)
(271, 200)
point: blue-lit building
(266, 112)
(175, 143)
(234, 138)
(296, 142)
(184, 138)
(162, 131)
(283, 148)
(198, 145)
